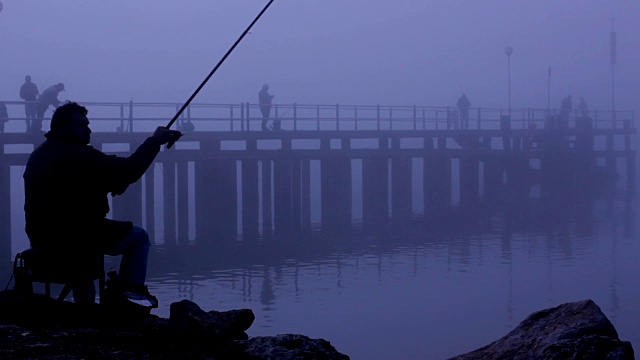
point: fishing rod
(246, 31)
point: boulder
(576, 330)
(291, 347)
(188, 319)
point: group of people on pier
(566, 108)
(460, 119)
(36, 104)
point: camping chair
(33, 265)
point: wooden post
(250, 199)
(469, 181)
(401, 200)
(305, 189)
(296, 196)
(375, 191)
(267, 194)
(169, 192)
(437, 183)
(336, 193)
(282, 196)
(183, 202)
(149, 191)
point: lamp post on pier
(549, 91)
(508, 51)
(613, 60)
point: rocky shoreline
(34, 326)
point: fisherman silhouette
(66, 183)
(463, 106)
(264, 99)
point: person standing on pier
(463, 107)
(66, 185)
(264, 99)
(566, 107)
(583, 110)
(29, 93)
(48, 97)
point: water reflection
(377, 292)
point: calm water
(416, 291)
(424, 289)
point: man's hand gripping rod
(175, 117)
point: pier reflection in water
(421, 288)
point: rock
(188, 319)
(577, 330)
(291, 347)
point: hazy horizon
(358, 52)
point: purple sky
(401, 52)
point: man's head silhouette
(70, 122)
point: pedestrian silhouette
(29, 93)
(566, 107)
(264, 99)
(49, 97)
(463, 108)
(66, 185)
(583, 110)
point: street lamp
(509, 51)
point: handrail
(121, 116)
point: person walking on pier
(66, 185)
(48, 97)
(264, 99)
(29, 93)
(463, 108)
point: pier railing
(140, 116)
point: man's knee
(140, 236)
(136, 239)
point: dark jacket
(66, 186)
(29, 91)
(48, 97)
(463, 103)
(264, 98)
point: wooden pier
(221, 184)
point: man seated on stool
(66, 183)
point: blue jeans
(134, 249)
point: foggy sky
(400, 52)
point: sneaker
(139, 294)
